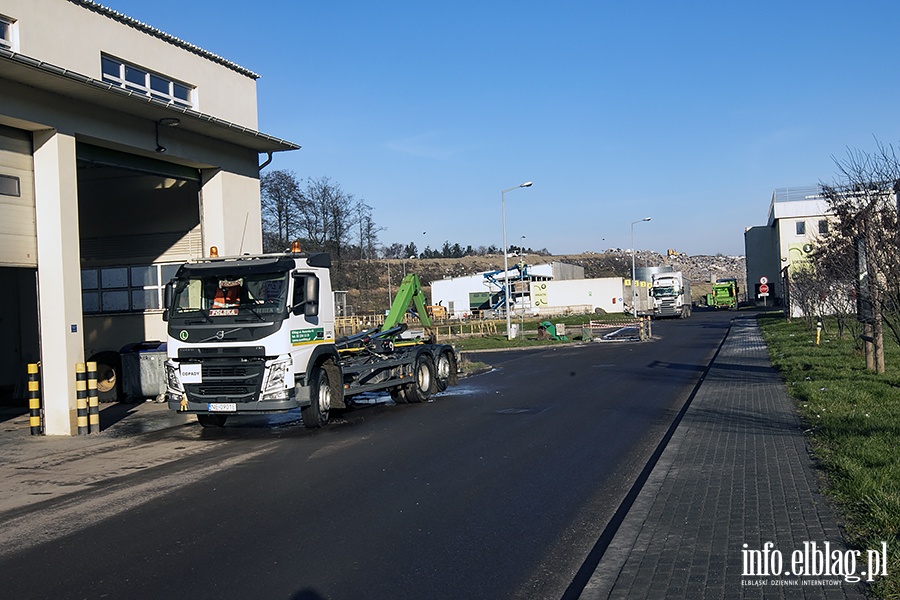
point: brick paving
(736, 471)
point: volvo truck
(256, 334)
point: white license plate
(222, 407)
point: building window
(142, 81)
(823, 227)
(6, 33)
(801, 227)
(125, 289)
(9, 186)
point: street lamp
(633, 288)
(505, 259)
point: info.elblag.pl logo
(814, 559)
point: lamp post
(505, 259)
(633, 288)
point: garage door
(18, 236)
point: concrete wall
(563, 271)
(230, 213)
(70, 36)
(606, 293)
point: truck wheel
(444, 370)
(398, 395)
(422, 386)
(317, 413)
(212, 420)
(109, 376)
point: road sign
(763, 289)
(764, 280)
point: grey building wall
(761, 250)
(565, 271)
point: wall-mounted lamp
(167, 122)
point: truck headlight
(276, 387)
(173, 381)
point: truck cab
(244, 333)
(671, 293)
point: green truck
(724, 294)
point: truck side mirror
(311, 307)
(306, 295)
(168, 297)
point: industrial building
(123, 152)
(797, 218)
(546, 289)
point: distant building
(535, 289)
(797, 219)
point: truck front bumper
(234, 408)
(298, 397)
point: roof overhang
(45, 76)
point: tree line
(324, 218)
(854, 269)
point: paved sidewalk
(736, 471)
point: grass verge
(853, 418)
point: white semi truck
(256, 334)
(671, 293)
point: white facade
(123, 151)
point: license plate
(222, 407)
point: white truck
(256, 334)
(671, 293)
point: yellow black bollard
(81, 398)
(34, 399)
(93, 399)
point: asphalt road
(499, 488)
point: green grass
(854, 422)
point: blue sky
(691, 113)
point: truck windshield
(664, 291)
(261, 296)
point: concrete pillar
(59, 276)
(230, 213)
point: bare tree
(368, 232)
(327, 216)
(280, 193)
(864, 201)
(834, 264)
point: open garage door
(134, 209)
(138, 219)
(18, 235)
